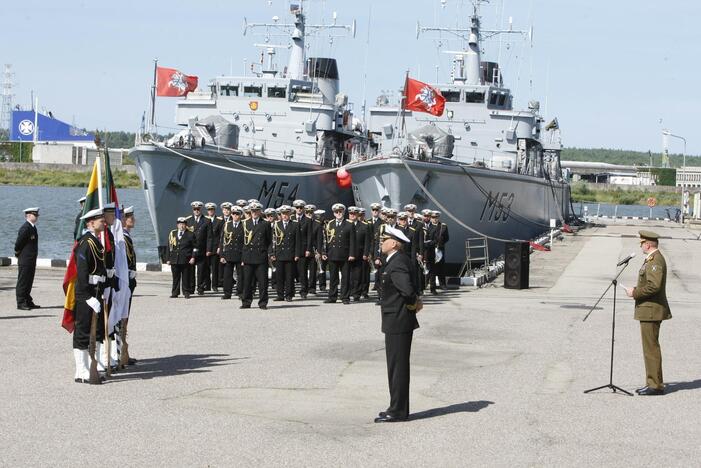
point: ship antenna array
(6, 112)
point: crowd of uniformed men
(300, 245)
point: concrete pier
(497, 375)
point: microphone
(626, 260)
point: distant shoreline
(55, 176)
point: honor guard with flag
(199, 226)
(76, 234)
(231, 249)
(339, 250)
(305, 237)
(215, 227)
(26, 251)
(129, 223)
(257, 237)
(181, 257)
(285, 252)
(400, 304)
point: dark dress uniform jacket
(27, 244)
(340, 241)
(305, 233)
(231, 244)
(131, 257)
(362, 240)
(89, 261)
(290, 246)
(215, 229)
(398, 292)
(180, 251)
(650, 293)
(201, 232)
(257, 240)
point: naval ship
(274, 135)
(492, 170)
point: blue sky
(608, 70)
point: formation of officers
(235, 250)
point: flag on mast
(172, 82)
(422, 97)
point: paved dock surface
(497, 375)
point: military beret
(410, 207)
(93, 214)
(197, 204)
(649, 235)
(298, 203)
(211, 206)
(338, 207)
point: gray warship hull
(171, 182)
(502, 205)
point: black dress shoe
(365, 296)
(244, 306)
(79, 380)
(311, 291)
(356, 298)
(388, 418)
(650, 391)
(303, 296)
(288, 299)
(378, 303)
(329, 301)
(34, 306)
(346, 301)
(23, 307)
(200, 293)
(216, 290)
(263, 306)
(278, 299)
(225, 298)
(187, 296)
(173, 296)
(132, 361)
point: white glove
(96, 279)
(132, 274)
(94, 304)
(110, 272)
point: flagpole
(404, 99)
(153, 97)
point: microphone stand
(614, 283)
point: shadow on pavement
(11, 317)
(180, 364)
(679, 386)
(467, 407)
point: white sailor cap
(285, 209)
(417, 216)
(402, 215)
(298, 203)
(236, 210)
(338, 207)
(319, 212)
(92, 214)
(435, 214)
(375, 206)
(391, 212)
(246, 208)
(226, 204)
(410, 207)
(384, 210)
(241, 202)
(426, 212)
(33, 210)
(211, 206)
(252, 201)
(268, 211)
(310, 207)
(352, 209)
(129, 210)
(255, 206)
(82, 199)
(394, 233)
(182, 219)
(197, 204)
(361, 210)
(109, 207)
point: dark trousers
(285, 279)
(83, 319)
(25, 280)
(322, 274)
(258, 273)
(436, 270)
(228, 276)
(312, 272)
(378, 282)
(302, 275)
(215, 270)
(365, 276)
(337, 267)
(398, 349)
(356, 277)
(181, 275)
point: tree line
(626, 157)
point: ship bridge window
(451, 96)
(252, 91)
(502, 100)
(472, 96)
(227, 90)
(493, 98)
(277, 92)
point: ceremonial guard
(360, 254)
(317, 269)
(129, 223)
(89, 285)
(257, 237)
(651, 308)
(231, 248)
(436, 238)
(181, 257)
(199, 225)
(400, 304)
(305, 228)
(76, 234)
(26, 251)
(213, 236)
(339, 250)
(285, 252)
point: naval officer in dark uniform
(400, 303)
(257, 237)
(181, 257)
(651, 308)
(285, 252)
(26, 251)
(339, 250)
(231, 248)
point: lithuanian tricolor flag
(92, 202)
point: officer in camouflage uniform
(651, 308)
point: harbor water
(58, 209)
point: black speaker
(516, 265)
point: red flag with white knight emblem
(422, 97)
(172, 82)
